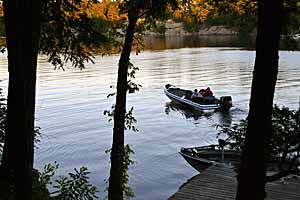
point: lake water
(70, 106)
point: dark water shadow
(246, 42)
(191, 41)
(224, 118)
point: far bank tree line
(240, 15)
(61, 30)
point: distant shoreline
(172, 28)
(174, 35)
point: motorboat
(200, 158)
(184, 97)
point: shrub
(74, 186)
(284, 144)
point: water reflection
(70, 104)
(187, 112)
(225, 40)
(225, 118)
(175, 42)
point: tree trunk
(252, 174)
(116, 179)
(22, 37)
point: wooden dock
(219, 183)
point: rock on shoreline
(173, 28)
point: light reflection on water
(188, 41)
(70, 107)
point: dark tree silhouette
(118, 153)
(23, 20)
(135, 9)
(22, 37)
(252, 174)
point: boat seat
(198, 99)
(209, 99)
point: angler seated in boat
(196, 94)
(203, 96)
(205, 102)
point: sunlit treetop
(69, 34)
(1, 8)
(238, 7)
(105, 9)
(196, 10)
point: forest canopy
(237, 15)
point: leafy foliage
(192, 14)
(129, 118)
(128, 193)
(68, 34)
(130, 121)
(110, 113)
(47, 173)
(131, 86)
(284, 144)
(74, 186)
(2, 28)
(240, 16)
(236, 134)
(71, 31)
(286, 131)
(152, 9)
(138, 15)
(41, 181)
(146, 13)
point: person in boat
(207, 93)
(201, 92)
(196, 97)
(194, 94)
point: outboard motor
(226, 103)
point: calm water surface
(75, 132)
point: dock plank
(219, 183)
